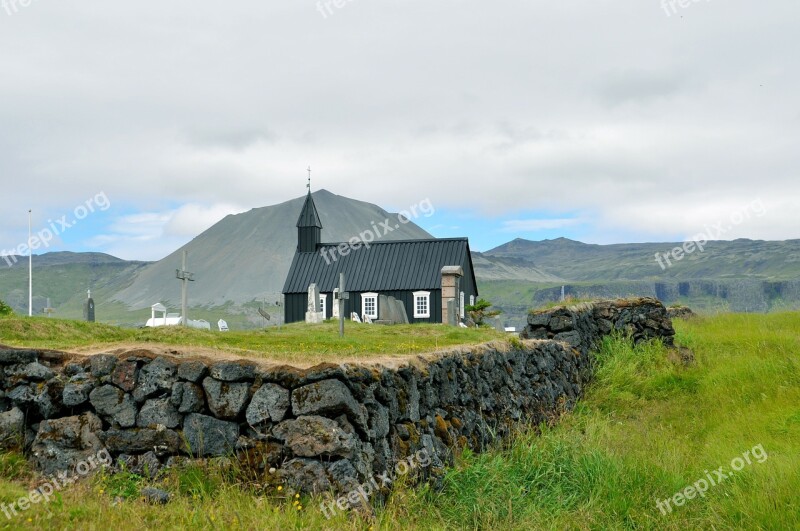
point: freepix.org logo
(43, 238)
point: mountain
(576, 261)
(64, 277)
(246, 257)
(741, 275)
(242, 261)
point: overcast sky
(604, 121)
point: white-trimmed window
(422, 304)
(323, 300)
(461, 304)
(369, 305)
(472, 300)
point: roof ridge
(384, 242)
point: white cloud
(642, 125)
(532, 225)
(192, 219)
(153, 235)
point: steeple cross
(309, 179)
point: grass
(646, 429)
(295, 343)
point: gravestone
(401, 310)
(313, 315)
(452, 312)
(335, 303)
(88, 307)
(384, 312)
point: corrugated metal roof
(384, 266)
(309, 216)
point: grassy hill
(740, 275)
(64, 277)
(647, 428)
(578, 262)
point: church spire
(309, 227)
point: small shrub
(5, 309)
(480, 311)
(123, 484)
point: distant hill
(575, 261)
(243, 260)
(740, 275)
(64, 277)
(246, 257)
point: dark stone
(538, 319)
(21, 395)
(160, 441)
(344, 475)
(112, 403)
(155, 496)
(314, 436)
(158, 411)
(269, 404)
(330, 398)
(209, 436)
(573, 338)
(306, 475)
(560, 323)
(14, 356)
(48, 400)
(12, 429)
(61, 444)
(102, 364)
(378, 421)
(226, 400)
(124, 375)
(187, 397)
(155, 378)
(192, 371)
(146, 465)
(76, 391)
(73, 369)
(37, 372)
(233, 371)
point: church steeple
(309, 227)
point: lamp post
(30, 268)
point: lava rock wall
(327, 428)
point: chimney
(451, 285)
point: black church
(420, 273)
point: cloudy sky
(603, 121)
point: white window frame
(364, 298)
(427, 296)
(461, 304)
(323, 302)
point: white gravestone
(313, 315)
(335, 303)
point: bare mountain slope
(247, 256)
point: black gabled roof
(384, 266)
(309, 216)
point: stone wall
(330, 427)
(584, 325)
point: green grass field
(295, 343)
(647, 428)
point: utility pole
(30, 268)
(185, 277)
(341, 297)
